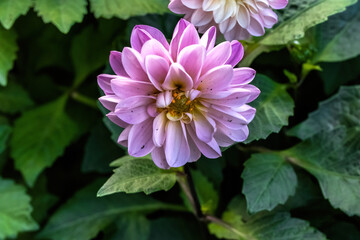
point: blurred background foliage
(297, 176)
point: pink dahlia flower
(236, 19)
(181, 99)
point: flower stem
(84, 100)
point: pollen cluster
(179, 106)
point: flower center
(179, 106)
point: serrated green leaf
(268, 181)
(40, 136)
(337, 38)
(63, 14)
(10, 10)
(333, 157)
(262, 226)
(84, 215)
(8, 49)
(138, 175)
(273, 108)
(303, 15)
(132, 227)
(341, 109)
(14, 99)
(15, 210)
(125, 9)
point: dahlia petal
(138, 38)
(247, 112)
(133, 110)
(186, 59)
(227, 117)
(159, 129)
(178, 32)
(243, 76)
(159, 158)
(125, 87)
(208, 38)
(104, 81)
(195, 153)
(236, 98)
(141, 146)
(164, 99)
(237, 53)
(177, 78)
(115, 119)
(153, 33)
(109, 101)
(227, 25)
(217, 79)
(178, 7)
(217, 56)
(226, 11)
(278, 4)
(152, 110)
(123, 138)
(256, 27)
(222, 139)
(157, 69)
(237, 135)
(189, 37)
(193, 4)
(237, 32)
(243, 16)
(177, 149)
(210, 5)
(254, 92)
(154, 47)
(134, 64)
(116, 63)
(269, 18)
(204, 127)
(210, 149)
(199, 17)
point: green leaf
(15, 210)
(99, 151)
(273, 108)
(333, 158)
(89, 56)
(8, 49)
(341, 109)
(132, 227)
(125, 9)
(300, 15)
(5, 131)
(63, 14)
(84, 215)
(208, 196)
(138, 175)
(14, 99)
(268, 181)
(262, 226)
(40, 136)
(10, 10)
(338, 37)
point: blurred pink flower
(236, 19)
(181, 99)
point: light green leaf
(132, 227)
(138, 175)
(10, 10)
(273, 108)
(40, 136)
(63, 14)
(300, 15)
(333, 157)
(341, 109)
(14, 99)
(124, 9)
(337, 39)
(262, 226)
(15, 210)
(5, 131)
(268, 181)
(84, 215)
(8, 49)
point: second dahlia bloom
(181, 99)
(236, 19)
